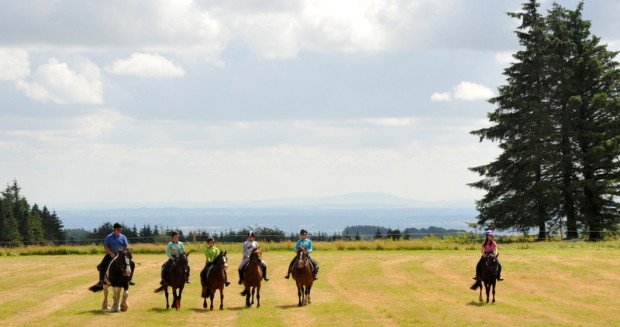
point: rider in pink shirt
(489, 246)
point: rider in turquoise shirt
(174, 249)
(304, 243)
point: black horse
(175, 276)
(488, 275)
(117, 275)
(253, 276)
(213, 278)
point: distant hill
(327, 214)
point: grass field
(559, 284)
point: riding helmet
(210, 239)
(174, 233)
(489, 232)
(117, 225)
(251, 233)
(303, 231)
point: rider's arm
(309, 247)
(108, 251)
(169, 250)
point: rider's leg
(187, 277)
(103, 266)
(499, 271)
(315, 270)
(264, 266)
(226, 282)
(240, 276)
(290, 268)
(132, 265)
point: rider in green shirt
(211, 252)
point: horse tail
(161, 288)
(477, 284)
(96, 288)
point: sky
(199, 101)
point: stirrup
(316, 277)
(240, 282)
(287, 276)
(226, 283)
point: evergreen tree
(52, 226)
(519, 184)
(9, 228)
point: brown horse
(175, 278)
(253, 276)
(302, 274)
(213, 279)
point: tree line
(21, 223)
(557, 123)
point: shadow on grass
(477, 304)
(287, 306)
(97, 312)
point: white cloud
(465, 91)
(441, 96)
(14, 64)
(146, 65)
(504, 58)
(56, 82)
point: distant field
(562, 284)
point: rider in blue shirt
(305, 243)
(113, 243)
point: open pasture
(545, 284)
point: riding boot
(289, 271)
(240, 276)
(499, 273)
(265, 274)
(315, 273)
(226, 278)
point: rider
(174, 249)
(305, 243)
(489, 246)
(211, 252)
(112, 244)
(248, 247)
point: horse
(175, 277)
(488, 276)
(302, 274)
(117, 276)
(213, 279)
(253, 276)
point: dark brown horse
(175, 278)
(488, 276)
(213, 279)
(117, 275)
(253, 276)
(302, 274)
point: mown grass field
(557, 283)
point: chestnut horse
(117, 276)
(175, 278)
(488, 276)
(253, 276)
(213, 279)
(302, 274)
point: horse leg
(258, 296)
(247, 296)
(493, 285)
(308, 288)
(124, 305)
(116, 294)
(105, 305)
(487, 288)
(166, 293)
(253, 291)
(221, 298)
(211, 297)
(480, 296)
(299, 296)
(180, 290)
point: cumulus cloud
(56, 82)
(146, 65)
(465, 91)
(14, 64)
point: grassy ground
(560, 284)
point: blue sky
(189, 101)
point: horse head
(491, 263)
(123, 261)
(221, 260)
(256, 257)
(302, 257)
(181, 263)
